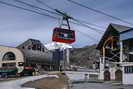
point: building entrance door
(118, 75)
(106, 75)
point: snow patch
(76, 76)
(57, 45)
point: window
(130, 58)
(9, 56)
(128, 69)
(9, 65)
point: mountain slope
(85, 56)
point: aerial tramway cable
(33, 6)
(57, 12)
(33, 11)
(100, 12)
(84, 23)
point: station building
(116, 54)
(30, 53)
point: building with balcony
(116, 55)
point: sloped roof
(27, 42)
(120, 28)
(112, 27)
(31, 42)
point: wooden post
(103, 60)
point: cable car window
(66, 35)
(62, 35)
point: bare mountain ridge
(85, 56)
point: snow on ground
(76, 76)
(79, 76)
(16, 84)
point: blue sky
(17, 25)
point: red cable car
(63, 35)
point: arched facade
(10, 57)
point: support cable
(100, 12)
(33, 6)
(79, 21)
(12, 5)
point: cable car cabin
(63, 35)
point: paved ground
(100, 86)
(16, 84)
(49, 83)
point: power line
(99, 31)
(55, 13)
(89, 23)
(12, 5)
(98, 11)
(91, 28)
(41, 2)
(84, 34)
(33, 6)
(83, 23)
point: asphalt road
(100, 86)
